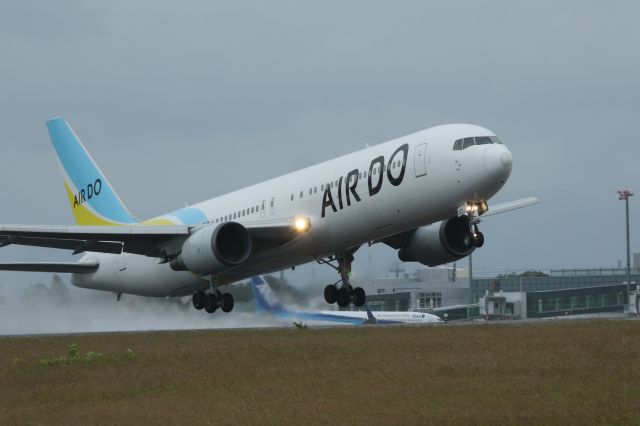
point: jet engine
(214, 249)
(439, 243)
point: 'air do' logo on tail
(93, 189)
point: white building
(425, 288)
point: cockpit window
(465, 143)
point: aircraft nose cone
(498, 162)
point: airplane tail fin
(370, 318)
(266, 299)
(92, 198)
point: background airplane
(267, 301)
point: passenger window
(291, 197)
(315, 189)
(310, 191)
(364, 174)
(467, 143)
(483, 140)
(322, 187)
(457, 145)
(301, 193)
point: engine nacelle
(439, 243)
(214, 249)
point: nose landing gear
(477, 236)
(345, 293)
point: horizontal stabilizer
(511, 205)
(60, 267)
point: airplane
(422, 194)
(267, 301)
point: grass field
(567, 372)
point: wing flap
(143, 240)
(59, 267)
(78, 246)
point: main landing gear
(211, 300)
(344, 294)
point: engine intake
(214, 249)
(439, 243)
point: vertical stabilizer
(266, 299)
(92, 198)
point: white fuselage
(424, 183)
(389, 317)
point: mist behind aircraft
(52, 305)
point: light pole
(624, 194)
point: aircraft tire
(478, 240)
(343, 298)
(330, 294)
(227, 303)
(210, 303)
(359, 296)
(198, 300)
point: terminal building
(426, 288)
(562, 292)
(559, 292)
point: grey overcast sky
(182, 101)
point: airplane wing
(138, 239)
(511, 205)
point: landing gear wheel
(343, 298)
(478, 239)
(210, 303)
(226, 302)
(331, 294)
(198, 300)
(359, 296)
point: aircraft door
(420, 160)
(272, 206)
(263, 208)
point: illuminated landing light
(477, 208)
(302, 224)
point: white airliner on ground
(266, 301)
(421, 194)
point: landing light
(302, 224)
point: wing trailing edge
(59, 267)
